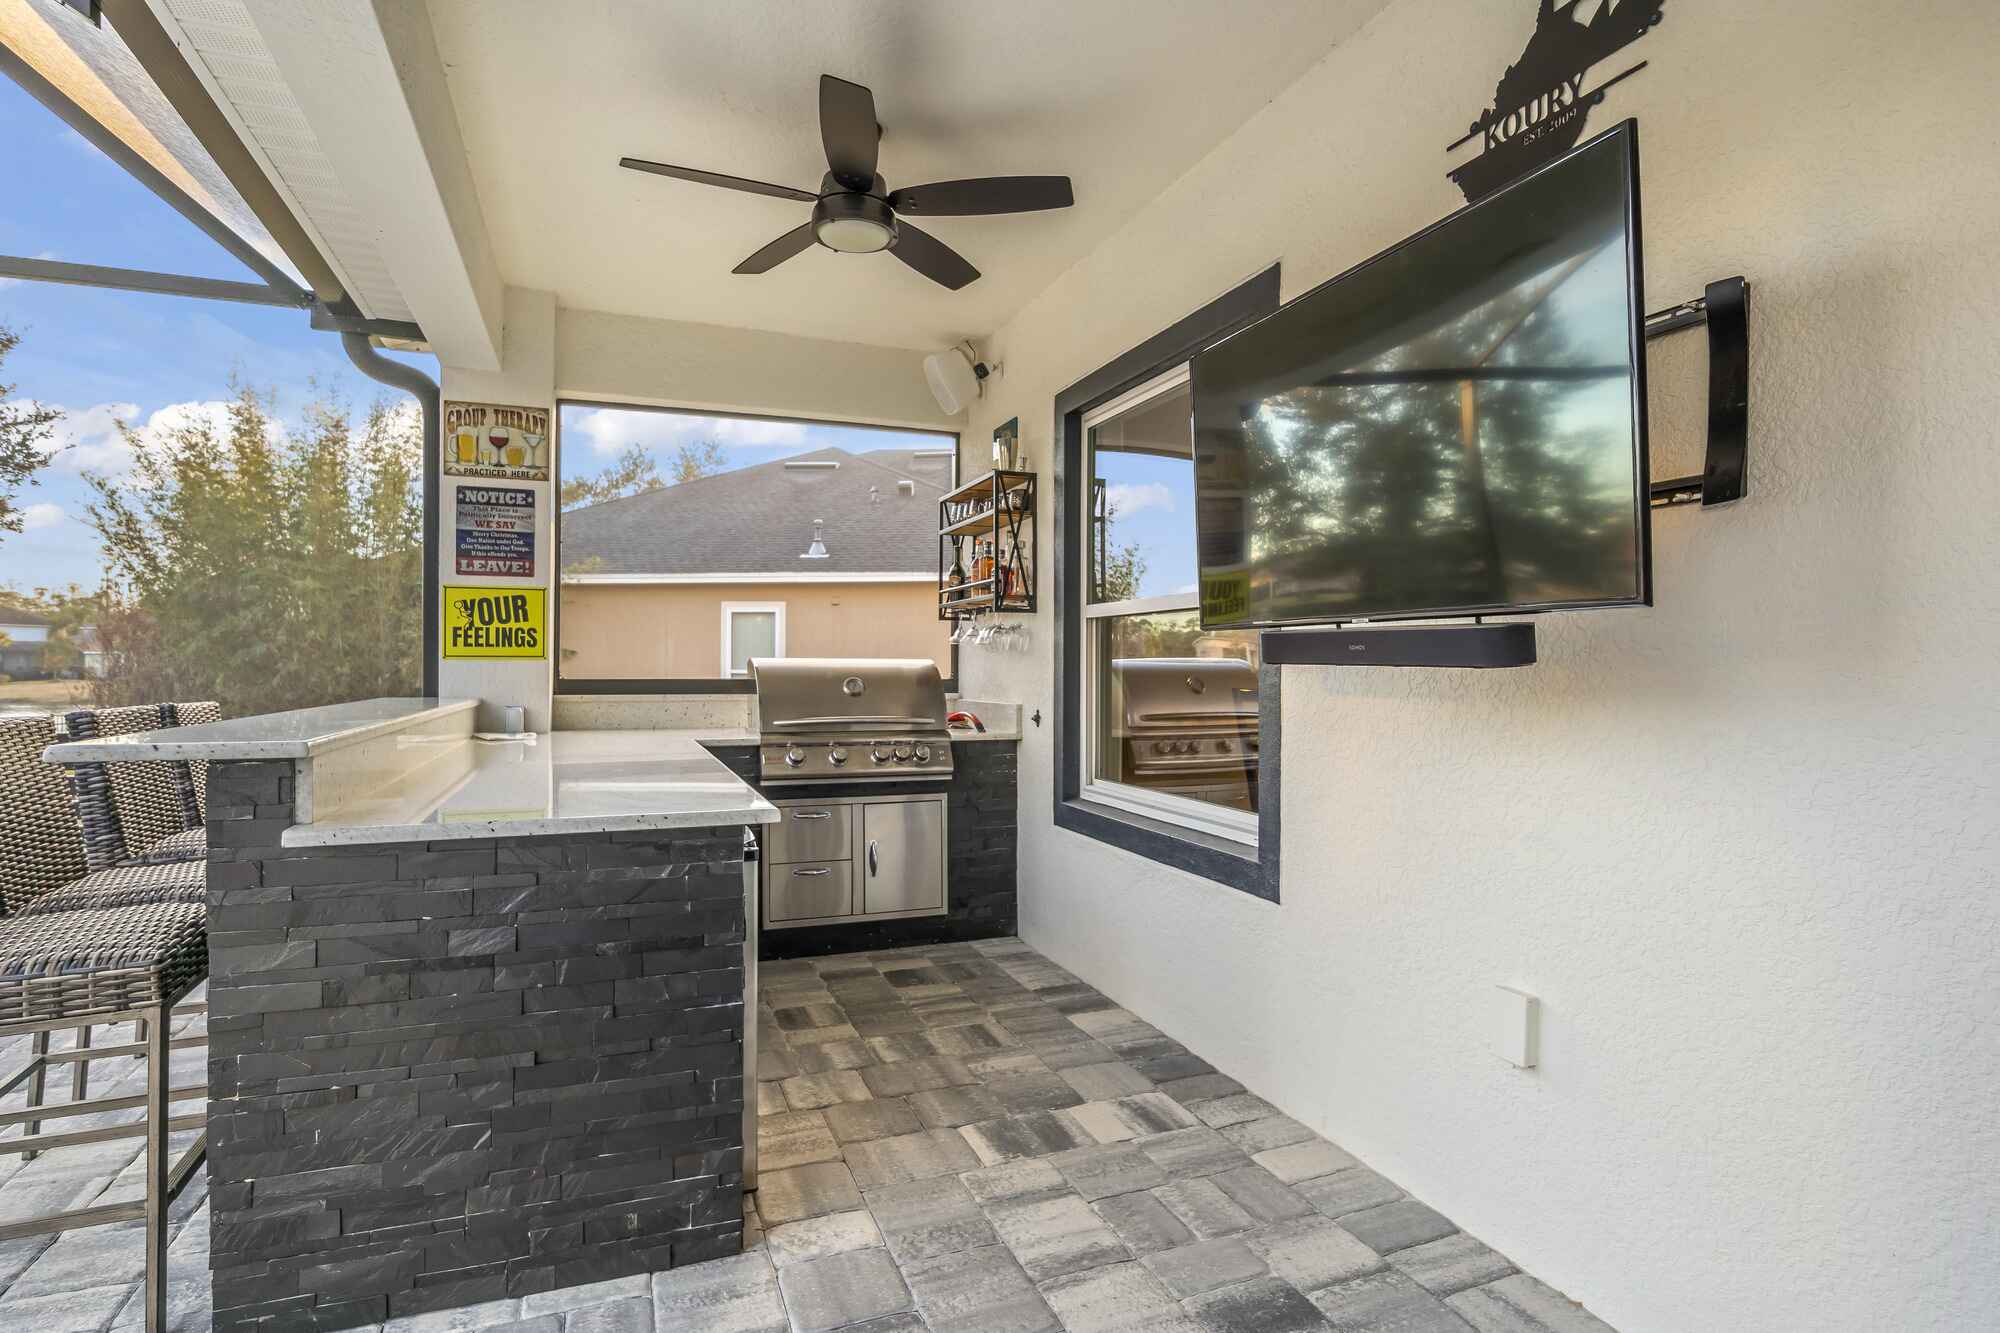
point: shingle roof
(759, 520)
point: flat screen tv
(1455, 427)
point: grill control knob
(795, 756)
(836, 756)
(879, 755)
(1159, 747)
(923, 754)
(902, 754)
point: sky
(103, 356)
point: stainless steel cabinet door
(901, 860)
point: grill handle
(850, 720)
(812, 814)
(810, 871)
(873, 868)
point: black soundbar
(1508, 645)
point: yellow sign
(1225, 598)
(496, 622)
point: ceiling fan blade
(988, 194)
(931, 257)
(717, 178)
(778, 251)
(848, 128)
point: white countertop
(564, 782)
(299, 734)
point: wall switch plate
(1517, 1027)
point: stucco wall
(674, 631)
(1743, 844)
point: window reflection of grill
(1188, 726)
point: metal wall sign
(496, 440)
(1540, 104)
(496, 531)
(495, 622)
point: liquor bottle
(955, 580)
(982, 564)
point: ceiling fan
(856, 213)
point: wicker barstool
(109, 965)
(139, 812)
(43, 869)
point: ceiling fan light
(853, 236)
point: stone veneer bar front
(447, 1071)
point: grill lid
(1186, 692)
(873, 695)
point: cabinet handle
(872, 869)
(812, 814)
(814, 870)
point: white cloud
(1127, 499)
(607, 430)
(87, 439)
(43, 515)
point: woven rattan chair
(109, 965)
(43, 870)
(137, 812)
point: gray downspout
(397, 375)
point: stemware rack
(996, 510)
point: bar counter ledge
(477, 1008)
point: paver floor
(960, 1138)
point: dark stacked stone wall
(442, 1073)
(981, 841)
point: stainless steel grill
(833, 719)
(1189, 725)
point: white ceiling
(1120, 95)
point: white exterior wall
(1742, 845)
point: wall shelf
(990, 516)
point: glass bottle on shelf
(982, 565)
(954, 582)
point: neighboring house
(827, 554)
(91, 647)
(24, 642)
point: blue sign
(496, 531)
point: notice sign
(495, 622)
(494, 440)
(496, 531)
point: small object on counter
(962, 720)
(513, 719)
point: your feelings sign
(496, 622)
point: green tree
(265, 569)
(701, 458)
(24, 428)
(635, 471)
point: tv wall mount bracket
(1724, 309)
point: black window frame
(643, 685)
(1253, 871)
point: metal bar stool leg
(38, 1079)
(157, 1073)
(79, 1081)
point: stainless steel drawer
(812, 831)
(804, 890)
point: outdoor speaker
(954, 379)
